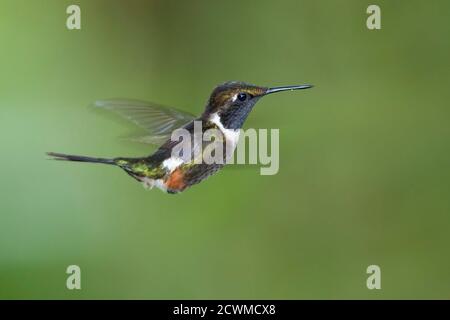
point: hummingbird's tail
(68, 157)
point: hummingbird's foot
(148, 183)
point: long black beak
(288, 88)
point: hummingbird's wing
(159, 121)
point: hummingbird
(226, 111)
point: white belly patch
(172, 163)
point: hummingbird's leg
(148, 183)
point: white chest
(231, 135)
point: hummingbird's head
(233, 101)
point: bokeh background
(364, 157)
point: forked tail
(68, 157)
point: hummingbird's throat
(231, 135)
(234, 116)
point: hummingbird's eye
(242, 96)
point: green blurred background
(364, 157)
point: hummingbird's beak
(287, 88)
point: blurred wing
(159, 121)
